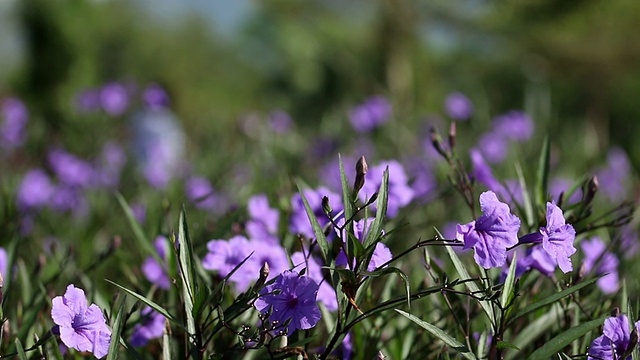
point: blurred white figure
(158, 144)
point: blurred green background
(574, 65)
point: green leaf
(381, 203)
(471, 285)
(402, 275)
(317, 229)
(542, 178)
(167, 353)
(150, 304)
(551, 299)
(507, 345)
(507, 288)
(347, 200)
(553, 346)
(440, 334)
(526, 199)
(142, 240)
(185, 255)
(117, 330)
(20, 349)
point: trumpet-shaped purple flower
(458, 106)
(614, 341)
(155, 272)
(326, 294)
(601, 261)
(400, 193)
(490, 235)
(295, 301)
(81, 327)
(558, 237)
(151, 327)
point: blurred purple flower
(280, 122)
(201, 194)
(13, 128)
(155, 272)
(494, 147)
(155, 97)
(4, 263)
(601, 261)
(326, 294)
(296, 301)
(139, 212)
(264, 220)
(558, 186)
(481, 171)
(400, 193)
(369, 115)
(159, 144)
(112, 159)
(151, 327)
(614, 178)
(69, 198)
(492, 234)
(424, 183)
(82, 328)
(381, 253)
(35, 190)
(514, 125)
(114, 98)
(614, 341)
(628, 240)
(71, 170)
(87, 100)
(299, 222)
(458, 106)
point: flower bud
(452, 135)
(361, 170)
(326, 207)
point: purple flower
(614, 341)
(154, 272)
(264, 219)
(558, 186)
(482, 172)
(535, 258)
(601, 261)
(224, 256)
(299, 221)
(114, 99)
(326, 294)
(139, 212)
(4, 263)
(68, 198)
(458, 106)
(12, 130)
(87, 100)
(155, 97)
(514, 125)
(35, 191)
(400, 193)
(295, 301)
(628, 237)
(201, 193)
(159, 144)
(424, 182)
(490, 235)
(82, 328)
(112, 160)
(381, 253)
(280, 122)
(151, 327)
(494, 147)
(614, 178)
(71, 170)
(558, 237)
(369, 115)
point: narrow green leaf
(542, 178)
(20, 349)
(116, 330)
(526, 199)
(166, 343)
(185, 255)
(317, 229)
(440, 334)
(402, 275)
(150, 304)
(507, 345)
(471, 285)
(381, 210)
(138, 234)
(347, 200)
(553, 346)
(507, 289)
(551, 299)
